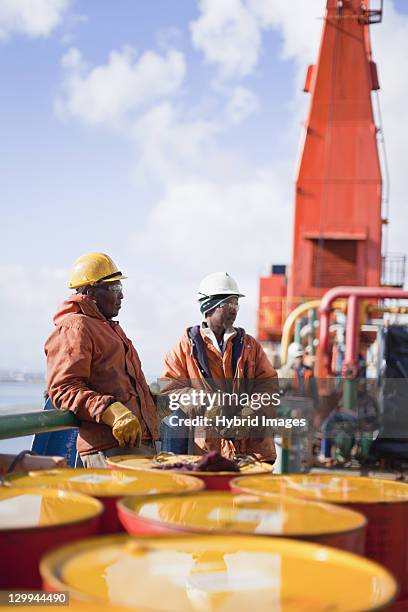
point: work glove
(125, 425)
(243, 430)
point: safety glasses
(113, 287)
(230, 306)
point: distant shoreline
(18, 379)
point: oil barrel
(222, 512)
(383, 502)
(218, 573)
(212, 480)
(108, 486)
(32, 521)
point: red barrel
(108, 486)
(383, 502)
(35, 520)
(212, 480)
(225, 513)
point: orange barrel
(108, 486)
(383, 502)
(222, 512)
(34, 520)
(212, 480)
(218, 573)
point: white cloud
(169, 143)
(169, 38)
(299, 23)
(125, 84)
(27, 311)
(241, 104)
(225, 215)
(300, 26)
(33, 18)
(71, 25)
(228, 35)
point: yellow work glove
(125, 425)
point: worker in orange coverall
(221, 360)
(94, 370)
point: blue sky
(166, 134)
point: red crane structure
(338, 219)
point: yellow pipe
(289, 323)
(391, 309)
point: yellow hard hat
(94, 269)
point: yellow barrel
(383, 502)
(108, 486)
(326, 488)
(108, 483)
(212, 480)
(34, 520)
(218, 573)
(219, 512)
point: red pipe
(353, 294)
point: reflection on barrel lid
(277, 515)
(211, 572)
(36, 507)
(325, 487)
(108, 483)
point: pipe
(29, 423)
(312, 335)
(390, 309)
(351, 330)
(288, 325)
(353, 294)
(298, 327)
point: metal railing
(30, 423)
(374, 13)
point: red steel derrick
(338, 199)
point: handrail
(29, 423)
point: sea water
(16, 398)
